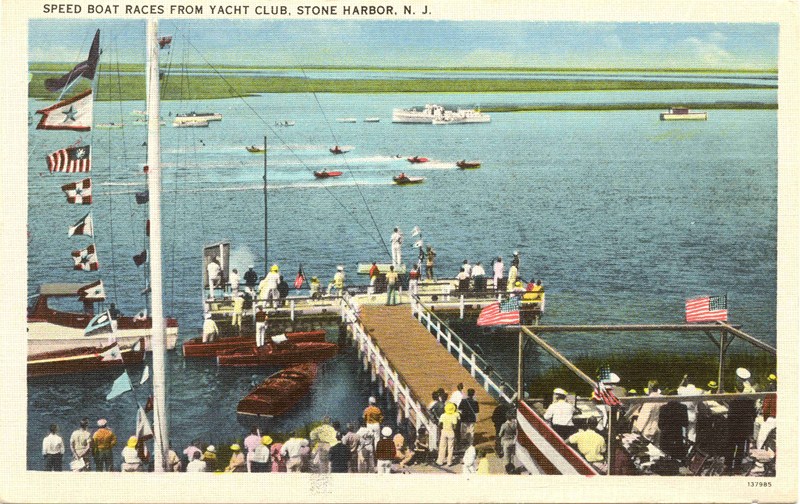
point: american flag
(79, 193)
(86, 259)
(605, 395)
(707, 309)
(500, 313)
(71, 160)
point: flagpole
(266, 260)
(157, 337)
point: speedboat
(279, 392)
(683, 114)
(404, 179)
(467, 165)
(338, 150)
(86, 359)
(327, 174)
(255, 150)
(284, 353)
(284, 123)
(417, 159)
(196, 348)
(51, 330)
(372, 119)
(346, 120)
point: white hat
(372, 400)
(612, 378)
(207, 315)
(689, 389)
(386, 431)
(742, 373)
(211, 448)
(102, 422)
(340, 268)
(516, 252)
(251, 266)
(560, 391)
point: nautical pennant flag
(500, 313)
(92, 292)
(301, 277)
(84, 226)
(100, 324)
(71, 160)
(141, 316)
(83, 69)
(72, 114)
(79, 193)
(164, 42)
(707, 309)
(121, 385)
(112, 354)
(86, 259)
(145, 375)
(417, 244)
(140, 258)
(415, 231)
(142, 197)
(144, 432)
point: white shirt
(234, 280)
(130, 456)
(397, 238)
(499, 268)
(272, 280)
(213, 270)
(260, 454)
(79, 441)
(462, 275)
(210, 328)
(292, 447)
(470, 457)
(456, 397)
(52, 444)
(478, 270)
(196, 465)
(559, 413)
(468, 269)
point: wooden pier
(424, 364)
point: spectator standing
(210, 458)
(291, 451)
(391, 287)
(467, 268)
(479, 277)
(430, 258)
(268, 288)
(447, 435)
(53, 450)
(470, 460)
(413, 280)
(397, 242)
(234, 281)
(252, 442)
(196, 464)
(278, 461)
(499, 270)
(80, 444)
(210, 329)
(366, 448)
(103, 442)
(251, 279)
(559, 414)
(373, 417)
(322, 438)
(350, 439)
(260, 462)
(238, 311)
(646, 422)
(508, 439)
(339, 457)
(385, 451)
(468, 410)
(130, 456)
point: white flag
(145, 375)
(112, 354)
(72, 114)
(142, 315)
(415, 231)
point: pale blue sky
(422, 43)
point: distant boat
(461, 116)
(284, 123)
(404, 179)
(414, 116)
(417, 159)
(338, 150)
(141, 113)
(110, 125)
(327, 174)
(143, 122)
(278, 354)
(196, 348)
(683, 114)
(198, 116)
(279, 392)
(256, 150)
(85, 360)
(346, 120)
(372, 119)
(189, 124)
(468, 165)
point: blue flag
(121, 385)
(100, 324)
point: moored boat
(196, 348)
(346, 120)
(279, 392)
(417, 160)
(468, 165)
(284, 123)
(278, 354)
(189, 124)
(51, 330)
(404, 179)
(683, 114)
(372, 119)
(85, 359)
(110, 125)
(327, 174)
(415, 116)
(461, 116)
(198, 116)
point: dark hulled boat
(85, 360)
(466, 165)
(196, 348)
(283, 354)
(417, 159)
(404, 179)
(327, 174)
(279, 392)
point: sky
(421, 43)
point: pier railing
(382, 370)
(483, 373)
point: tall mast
(266, 260)
(157, 338)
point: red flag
(500, 313)
(73, 114)
(79, 193)
(71, 160)
(92, 292)
(707, 309)
(605, 395)
(149, 404)
(86, 259)
(301, 277)
(140, 258)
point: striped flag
(85, 226)
(79, 193)
(71, 160)
(86, 259)
(72, 114)
(301, 277)
(92, 292)
(605, 395)
(500, 313)
(707, 309)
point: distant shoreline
(600, 107)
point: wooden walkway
(424, 364)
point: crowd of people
(733, 429)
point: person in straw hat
(447, 434)
(237, 462)
(560, 413)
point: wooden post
(291, 310)
(520, 362)
(722, 347)
(461, 307)
(472, 365)
(612, 411)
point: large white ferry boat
(461, 116)
(683, 114)
(197, 117)
(437, 114)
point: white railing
(373, 358)
(466, 355)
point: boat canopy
(60, 289)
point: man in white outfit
(268, 288)
(397, 242)
(214, 276)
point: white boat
(197, 116)
(461, 116)
(109, 125)
(372, 119)
(139, 113)
(284, 123)
(189, 124)
(51, 329)
(413, 115)
(346, 120)
(683, 114)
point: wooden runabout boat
(196, 348)
(255, 150)
(279, 392)
(327, 174)
(404, 179)
(278, 354)
(338, 150)
(417, 159)
(468, 165)
(85, 359)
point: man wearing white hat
(559, 414)
(743, 381)
(385, 452)
(688, 389)
(210, 329)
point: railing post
(472, 366)
(291, 310)
(461, 307)
(460, 351)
